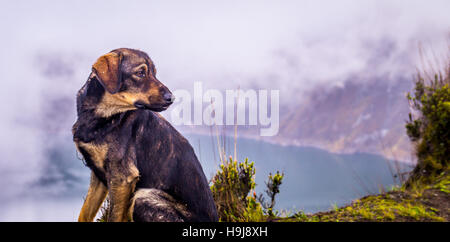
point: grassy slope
(424, 203)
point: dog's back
(167, 162)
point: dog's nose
(169, 97)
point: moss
(420, 203)
(398, 206)
(443, 184)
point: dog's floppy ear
(107, 70)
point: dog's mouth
(156, 108)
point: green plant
(273, 188)
(430, 127)
(230, 188)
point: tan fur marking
(123, 101)
(121, 191)
(151, 193)
(121, 194)
(94, 199)
(114, 103)
(121, 201)
(97, 152)
(140, 66)
(153, 92)
(133, 97)
(134, 174)
(137, 194)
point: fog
(48, 48)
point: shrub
(273, 188)
(230, 188)
(430, 129)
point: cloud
(48, 47)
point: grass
(422, 204)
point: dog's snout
(169, 97)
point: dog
(149, 170)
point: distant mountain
(357, 117)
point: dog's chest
(93, 153)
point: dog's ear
(107, 70)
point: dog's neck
(93, 97)
(90, 123)
(89, 96)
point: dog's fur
(149, 169)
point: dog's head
(129, 79)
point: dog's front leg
(121, 189)
(94, 199)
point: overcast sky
(287, 45)
(317, 41)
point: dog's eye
(140, 73)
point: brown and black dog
(149, 169)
